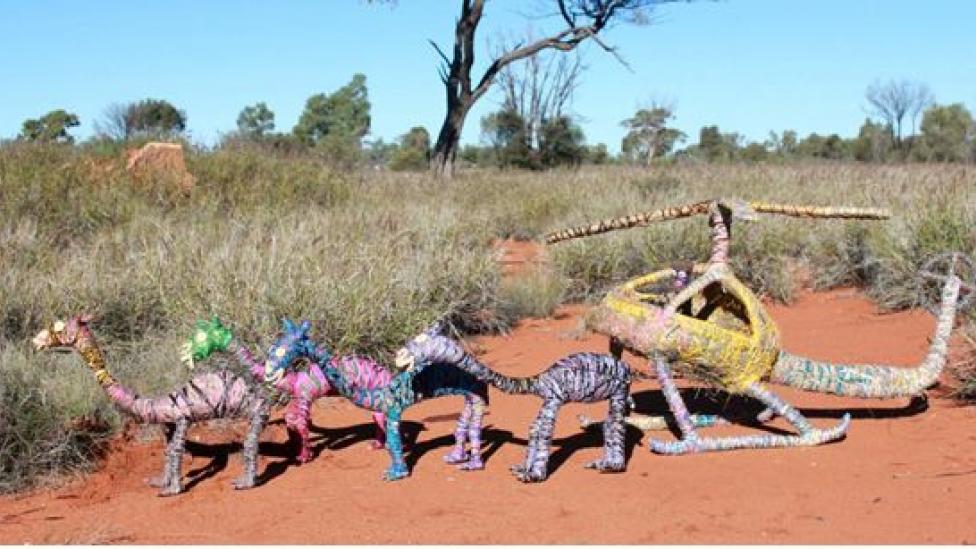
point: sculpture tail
(874, 381)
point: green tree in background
(782, 145)
(714, 145)
(873, 142)
(154, 118)
(413, 152)
(50, 128)
(831, 147)
(598, 154)
(648, 135)
(947, 134)
(505, 132)
(255, 121)
(561, 143)
(754, 152)
(378, 153)
(340, 116)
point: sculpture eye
(59, 326)
(201, 337)
(280, 352)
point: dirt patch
(517, 256)
(902, 475)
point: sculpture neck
(720, 236)
(246, 359)
(92, 355)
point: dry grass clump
(533, 293)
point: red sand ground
(517, 255)
(901, 475)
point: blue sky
(749, 66)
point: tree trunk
(448, 141)
(651, 148)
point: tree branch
(569, 19)
(440, 52)
(613, 51)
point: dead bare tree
(580, 20)
(894, 100)
(114, 123)
(540, 89)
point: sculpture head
(412, 354)
(293, 344)
(62, 335)
(209, 336)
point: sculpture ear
(201, 324)
(306, 326)
(287, 325)
(215, 320)
(85, 318)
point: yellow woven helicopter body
(727, 357)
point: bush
(37, 436)
(534, 293)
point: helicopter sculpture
(711, 327)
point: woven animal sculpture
(731, 342)
(210, 395)
(581, 377)
(303, 385)
(403, 390)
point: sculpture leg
(459, 454)
(249, 454)
(536, 464)
(809, 436)
(394, 445)
(297, 420)
(171, 484)
(379, 442)
(162, 479)
(474, 435)
(682, 418)
(613, 436)
(616, 348)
